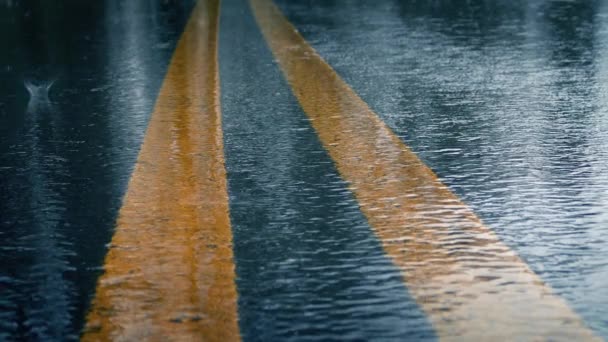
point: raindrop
(39, 95)
(38, 89)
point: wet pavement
(66, 156)
(505, 101)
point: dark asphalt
(504, 100)
(308, 264)
(66, 156)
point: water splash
(38, 90)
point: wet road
(504, 101)
(67, 155)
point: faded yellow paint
(470, 284)
(169, 272)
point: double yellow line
(170, 272)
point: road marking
(471, 285)
(169, 273)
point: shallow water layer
(308, 265)
(77, 88)
(506, 101)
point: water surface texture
(77, 85)
(339, 231)
(507, 102)
(308, 265)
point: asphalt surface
(310, 266)
(504, 100)
(67, 155)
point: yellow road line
(169, 273)
(471, 285)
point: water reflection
(36, 253)
(169, 271)
(62, 173)
(48, 310)
(505, 101)
(308, 265)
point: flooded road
(403, 170)
(507, 103)
(66, 155)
